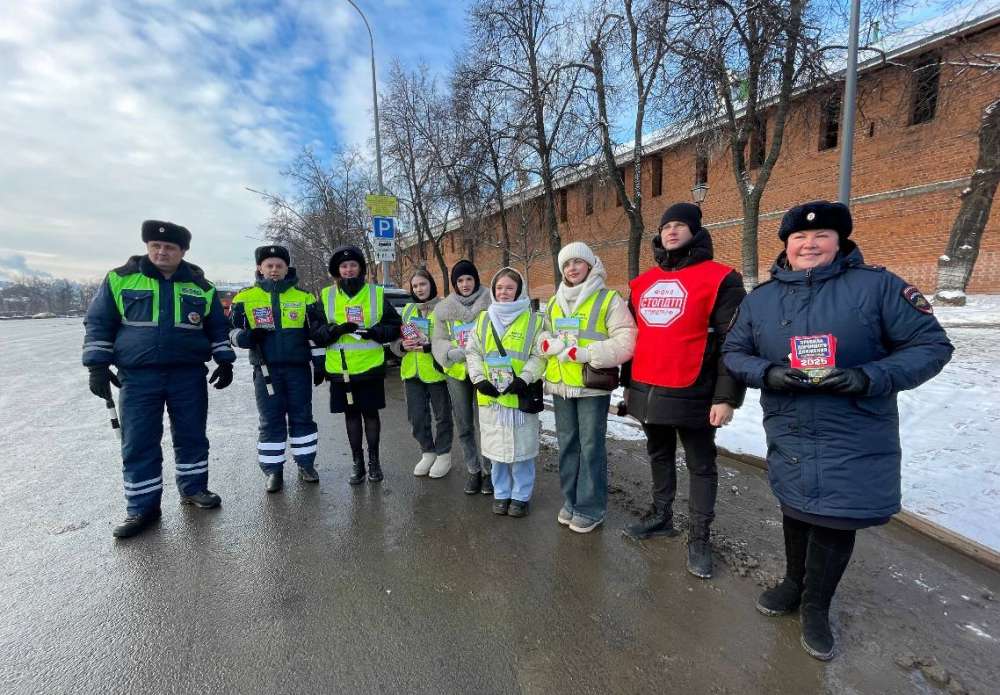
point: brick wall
(906, 185)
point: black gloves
(344, 328)
(222, 376)
(780, 378)
(487, 388)
(517, 386)
(101, 379)
(848, 382)
(364, 333)
(328, 333)
(319, 375)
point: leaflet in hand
(462, 333)
(500, 372)
(263, 317)
(416, 330)
(356, 314)
(814, 354)
(567, 329)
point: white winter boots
(424, 465)
(437, 465)
(442, 464)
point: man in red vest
(676, 383)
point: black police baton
(264, 371)
(113, 415)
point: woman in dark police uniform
(830, 341)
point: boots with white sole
(441, 466)
(425, 464)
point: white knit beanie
(576, 249)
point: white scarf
(571, 298)
(504, 314)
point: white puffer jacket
(501, 442)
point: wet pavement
(411, 586)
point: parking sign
(383, 228)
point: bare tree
(749, 56)
(962, 250)
(635, 34)
(519, 51)
(325, 210)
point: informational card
(462, 333)
(816, 355)
(416, 330)
(567, 329)
(500, 372)
(263, 317)
(356, 314)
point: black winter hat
(819, 214)
(262, 253)
(347, 253)
(157, 230)
(688, 213)
(464, 267)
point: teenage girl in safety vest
(454, 320)
(357, 321)
(503, 359)
(424, 379)
(585, 323)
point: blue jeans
(513, 480)
(581, 429)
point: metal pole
(850, 107)
(378, 137)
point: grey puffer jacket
(452, 309)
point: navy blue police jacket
(140, 319)
(830, 454)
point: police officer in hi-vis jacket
(271, 320)
(159, 320)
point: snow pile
(979, 310)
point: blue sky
(115, 111)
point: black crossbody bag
(531, 402)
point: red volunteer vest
(672, 309)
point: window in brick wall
(656, 170)
(926, 76)
(563, 206)
(588, 196)
(618, 196)
(701, 169)
(829, 127)
(758, 144)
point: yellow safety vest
(517, 341)
(351, 354)
(593, 327)
(419, 364)
(292, 301)
(458, 370)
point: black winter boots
(816, 558)
(658, 521)
(134, 524)
(374, 468)
(358, 472)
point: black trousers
(699, 453)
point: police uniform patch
(917, 300)
(194, 317)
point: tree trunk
(959, 260)
(751, 221)
(636, 231)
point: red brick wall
(904, 230)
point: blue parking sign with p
(383, 228)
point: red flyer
(263, 317)
(816, 355)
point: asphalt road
(411, 586)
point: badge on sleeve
(917, 300)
